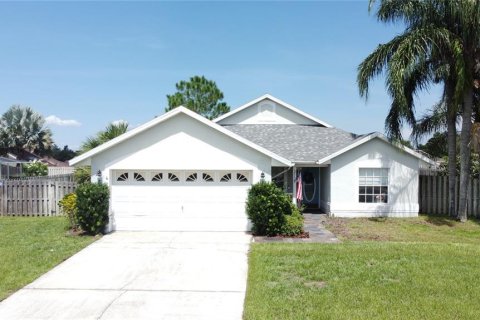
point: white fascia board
(278, 101)
(371, 137)
(166, 116)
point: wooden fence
(33, 197)
(433, 195)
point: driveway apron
(142, 275)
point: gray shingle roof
(296, 143)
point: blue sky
(96, 62)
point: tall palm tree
(466, 14)
(435, 42)
(111, 131)
(21, 128)
(444, 116)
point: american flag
(299, 195)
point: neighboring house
(10, 168)
(181, 171)
(11, 164)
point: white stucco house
(182, 172)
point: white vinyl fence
(56, 171)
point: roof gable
(375, 135)
(152, 123)
(268, 110)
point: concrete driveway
(142, 275)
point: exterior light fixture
(99, 176)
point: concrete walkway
(313, 224)
(142, 275)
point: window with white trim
(373, 185)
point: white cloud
(54, 120)
(117, 122)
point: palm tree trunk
(465, 152)
(452, 158)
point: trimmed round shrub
(293, 225)
(92, 205)
(68, 206)
(267, 206)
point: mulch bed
(303, 235)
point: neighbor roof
(179, 110)
(298, 143)
(277, 101)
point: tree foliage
(82, 175)
(200, 95)
(21, 128)
(61, 154)
(436, 146)
(35, 169)
(112, 131)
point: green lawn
(31, 246)
(425, 268)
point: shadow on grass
(378, 219)
(447, 220)
(441, 220)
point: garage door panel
(150, 223)
(181, 206)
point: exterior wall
(181, 143)
(402, 188)
(325, 189)
(266, 112)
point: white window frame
(376, 178)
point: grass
(422, 229)
(421, 268)
(31, 246)
(363, 281)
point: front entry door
(311, 187)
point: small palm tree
(112, 130)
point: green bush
(267, 206)
(68, 205)
(293, 224)
(35, 169)
(82, 175)
(92, 205)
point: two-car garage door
(187, 200)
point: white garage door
(162, 200)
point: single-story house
(181, 171)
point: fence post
(475, 198)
